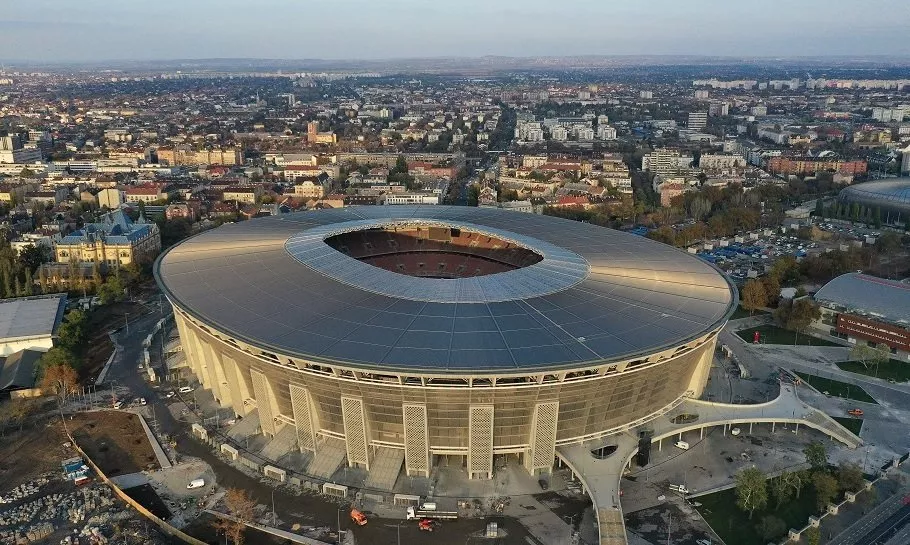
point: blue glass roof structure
(598, 294)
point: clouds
(54, 30)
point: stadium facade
(891, 196)
(443, 331)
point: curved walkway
(601, 477)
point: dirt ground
(34, 451)
(114, 440)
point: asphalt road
(305, 510)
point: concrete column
(750, 428)
(660, 444)
(772, 427)
(725, 430)
(797, 428)
(701, 433)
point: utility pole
(126, 322)
(669, 523)
(274, 518)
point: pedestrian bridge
(601, 477)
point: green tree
(111, 291)
(869, 356)
(813, 536)
(72, 332)
(781, 490)
(850, 476)
(751, 490)
(816, 455)
(825, 489)
(31, 257)
(754, 295)
(473, 195)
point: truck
(415, 513)
(358, 518)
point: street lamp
(274, 518)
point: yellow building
(187, 156)
(115, 241)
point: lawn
(837, 388)
(852, 424)
(771, 334)
(733, 525)
(898, 371)
(740, 312)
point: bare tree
(242, 510)
(60, 380)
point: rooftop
(597, 295)
(28, 317)
(887, 300)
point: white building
(30, 323)
(662, 161)
(411, 198)
(606, 132)
(697, 120)
(721, 162)
(560, 134)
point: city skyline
(40, 31)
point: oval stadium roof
(887, 300)
(598, 294)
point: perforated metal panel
(300, 403)
(480, 446)
(543, 436)
(263, 401)
(355, 432)
(416, 443)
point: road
(304, 509)
(879, 526)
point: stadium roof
(891, 195)
(29, 317)
(887, 300)
(597, 295)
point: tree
(772, 289)
(754, 295)
(813, 536)
(825, 489)
(869, 355)
(72, 331)
(60, 380)
(31, 257)
(771, 527)
(751, 490)
(816, 455)
(111, 291)
(850, 476)
(242, 508)
(781, 490)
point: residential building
(790, 165)
(316, 137)
(648, 95)
(310, 189)
(146, 193)
(12, 151)
(697, 121)
(606, 132)
(662, 161)
(110, 197)
(242, 194)
(412, 198)
(721, 162)
(188, 156)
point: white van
(195, 483)
(428, 506)
(185, 389)
(681, 488)
(681, 444)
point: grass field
(837, 388)
(898, 371)
(852, 424)
(733, 525)
(740, 312)
(771, 334)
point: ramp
(330, 455)
(284, 443)
(245, 427)
(384, 468)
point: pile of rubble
(24, 490)
(92, 507)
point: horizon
(40, 32)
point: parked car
(855, 412)
(195, 483)
(185, 389)
(735, 431)
(142, 401)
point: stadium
(413, 333)
(892, 197)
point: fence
(163, 525)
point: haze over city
(99, 30)
(468, 273)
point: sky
(99, 30)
